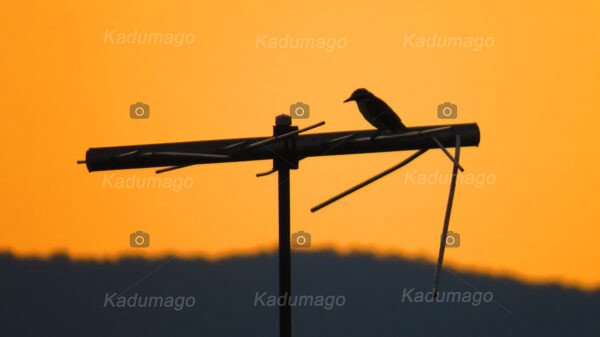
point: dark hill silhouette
(60, 297)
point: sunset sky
(67, 83)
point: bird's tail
(401, 128)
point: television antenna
(286, 148)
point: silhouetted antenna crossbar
(309, 145)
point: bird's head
(358, 95)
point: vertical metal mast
(283, 162)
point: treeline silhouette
(61, 297)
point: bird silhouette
(376, 112)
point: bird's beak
(349, 99)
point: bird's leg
(375, 135)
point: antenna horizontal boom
(310, 145)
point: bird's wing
(387, 118)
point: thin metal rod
(402, 134)
(285, 255)
(126, 154)
(370, 180)
(171, 168)
(440, 261)
(343, 138)
(185, 155)
(441, 146)
(262, 174)
(234, 145)
(283, 136)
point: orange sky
(533, 91)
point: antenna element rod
(440, 261)
(370, 180)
